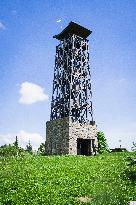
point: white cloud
(58, 21)
(31, 93)
(23, 138)
(2, 26)
(6, 139)
(35, 139)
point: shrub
(10, 150)
(41, 149)
(102, 143)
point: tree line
(14, 149)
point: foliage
(10, 150)
(102, 143)
(131, 169)
(134, 147)
(5, 145)
(60, 180)
(29, 148)
(16, 142)
(41, 149)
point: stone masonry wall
(57, 136)
(84, 131)
(62, 134)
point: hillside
(62, 180)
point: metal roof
(73, 28)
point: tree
(16, 142)
(3, 146)
(29, 148)
(134, 147)
(102, 143)
(11, 150)
(41, 149)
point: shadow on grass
(131, 175)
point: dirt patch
(84, 199)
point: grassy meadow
(61, 180)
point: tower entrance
(84, 146)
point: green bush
(11, 150)
(29, 148)
(41, 149)
(102, 143)
(134, 147)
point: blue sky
(27, 51)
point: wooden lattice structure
(72, 85)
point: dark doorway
(84, 146)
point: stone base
(66, 137)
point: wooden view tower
(71, 107)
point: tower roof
(73, 28)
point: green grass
(60, 180)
